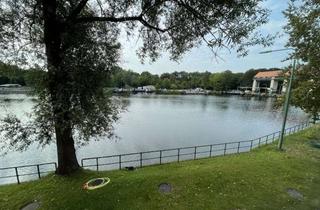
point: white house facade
(269, 82)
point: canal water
(154, 122)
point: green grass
(255, 180)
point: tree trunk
(59, 95)
(67, 160)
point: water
(158, 122)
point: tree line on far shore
(12, 74)
(120, 78)
(221, 81)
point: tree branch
(107, 19)
(146, 24)
(122, 19)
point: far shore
(130, 91)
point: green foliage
(12, 74)
(35, 78)
(223, 81)
(306, 91)
(91, 111)
(4, 80)
(247, 77)
(304, 30)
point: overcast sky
(201, 59)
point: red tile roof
(268, 74)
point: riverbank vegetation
(262, 179)
(304, 33)
(12, 74)
(121, 78)
(219, 81)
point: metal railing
(140, 159)
(34, 171)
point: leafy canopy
(87, 49)
(304, 30)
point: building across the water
(269, 82)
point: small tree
(304, 30)
(76, 40)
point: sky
(201, 58)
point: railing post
(179, 155)
(140, 159)
(251, 145)
(238, 147)
(82, 163)
(225, 149)
(273, 137)
(160, 157)
(55, 165)
(259, 142)
(97, 164)
(210, 151)
(120, 162)
(267, 139)
(195, 153)
(17, 175)
(38, 170)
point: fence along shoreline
(140, 159)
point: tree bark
(59, 95)
(67, 160)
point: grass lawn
(255, 180)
